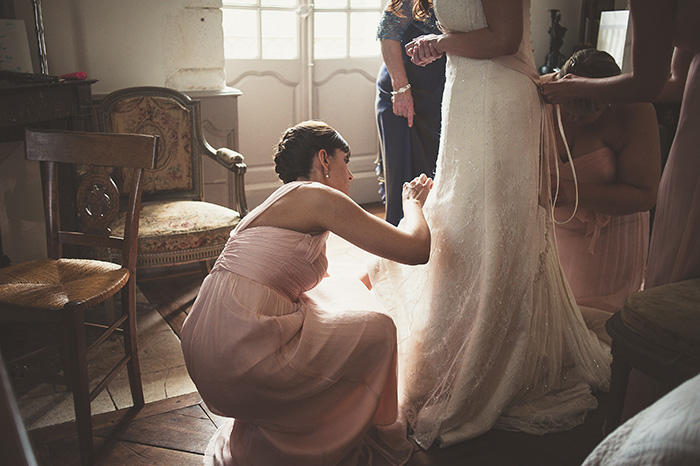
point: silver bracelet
(402, 90)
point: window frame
(305, 10)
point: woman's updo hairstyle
(588, 63)
(299, 145)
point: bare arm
(409, 244)
(501, 36)
(675, 86)
(393, 59)
(315, 208)
(652, 39)
(638, 168)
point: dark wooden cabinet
(60, 105)
(56, 105)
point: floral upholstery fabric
(171, 122)
(180, 231)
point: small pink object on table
(74, 76)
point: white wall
(122, 43)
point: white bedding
(665, 433)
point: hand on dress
(423, 50)
(559, 91)
(403, 105)
(417, 189)
(545, 78)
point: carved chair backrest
(97, 198)
(175, 118)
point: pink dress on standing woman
(674, 253)
(307, 369)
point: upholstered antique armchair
(177, 226)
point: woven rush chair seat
(47, 284)
(180, 232)
(658, 333)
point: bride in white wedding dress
(489, 332)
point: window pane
(330, 31)
(363, 29)
(283, 3)
(367, 4)
(240, 34)
(321, 4)
(279, 33)
(240, 2)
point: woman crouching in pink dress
(306, 369)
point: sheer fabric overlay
(489, 333)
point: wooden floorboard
(114, 419)
(187, 429)
(215, 418)
(119, 453)
(167, 432)
(173, 432)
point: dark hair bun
(298, 146)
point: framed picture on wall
(14, 46)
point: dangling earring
(328, 175)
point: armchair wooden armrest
(235, 162)
(231, 159)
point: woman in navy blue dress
(408, 104)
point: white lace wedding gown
(489, 333)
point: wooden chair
(177, 226)
(62, 290)
(658, 333)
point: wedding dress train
(489, 333)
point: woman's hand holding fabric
(559, 91)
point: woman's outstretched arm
(315, 207)
(652, 39)
(407, 244)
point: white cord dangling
(573, 171)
